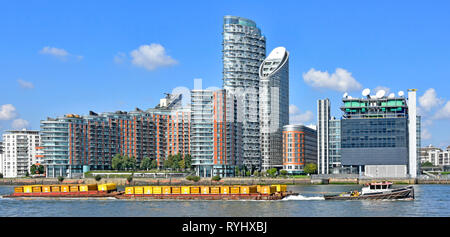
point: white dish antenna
(392, 95)
(345, 95)
(401, 93)
(366, 92)
(381, 93)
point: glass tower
(273, 106)
(244, 49)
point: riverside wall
(224, 181)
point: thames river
(430, 201)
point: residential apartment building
(73, 144)
(299, 147)
(435, 156)
(215, 133)
(244, 49)
(273, 106)
(19, 152)
(323, 132)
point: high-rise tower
(244, 49)
(273, 106)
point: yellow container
(185, 190)
(195, 190)
(235, 190)
(129, 190)
(176, 190)
(280, 187)
(65, 188)
(88, 187)
(46, 189)
(215, 190)
(248, 189)
(157, 190)
(36, 189)
(73, 188)
(18, 189)
(267, 189)
(205, 189)
(107, 187)
(28, 189)
(148, 190)
(55, 189)
(139, 190)
(166, 190)
(225, 190)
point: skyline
(126, 58)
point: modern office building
(334, 146)
(1, 157)
(379, 135)
(215, 133)
(244, 49)
(323, 118)
(299, 147)
(19, 152)
(74, 144)
(273, 106)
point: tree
(426, 164)
(98, 178)
(117, 162)
(154, 164)
(130, 178)
(248, 173)
(33, 169)
(146, 163)
(215, 178)
(60, 178)
(1, 176)
(272, 172)
(188, 161)
(283, 172)
(310, 168)
(256, 173)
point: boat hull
(402, 193)
(276, 196)
(65, 194)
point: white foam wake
(301, 197)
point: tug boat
(381, 190)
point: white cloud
(25, 84)
(341, 80)
(54, 51)
(151, 57)
(425, 135)
(7, 112)
(296, 117)
(120, 58)
(20, 123)
(444, 112)
(429, 100)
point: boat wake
(301, 197)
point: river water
(430, 201)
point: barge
(257, 192)
(66, 190)
(381, 190)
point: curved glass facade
(244, 49)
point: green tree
(256, 173)
(272, 172)
(310, 168)
(283, 172)
(98, 178)
(146, 163)
(130, 178)
(117, 162)
(215, 178)
(188, 161)
(154, 164)
(426, 164)
(1, 176)
(60, 178)
(248, 173)
(34, 169)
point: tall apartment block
(273, 106)
(380, 134)
(323, 118)
(215, 133)
(244, 49)
(19, 152)
(299, 147)
(73, 144)
(334, 146)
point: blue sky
(62, 57)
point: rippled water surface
(431, 200)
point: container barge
(66, 190)
(253, 192)
(257, 192)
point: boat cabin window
(378, 187)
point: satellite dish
(401, 93)
(381, 93)
(392, 95)
(345, 95)
(366, 92)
